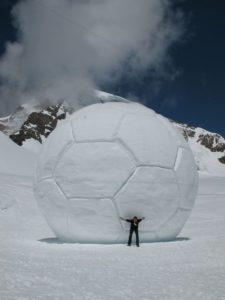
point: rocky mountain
(208, 148)
(212, 141)
(13, 122)
(35, 123)
(40, 124)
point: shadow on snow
(55, 240)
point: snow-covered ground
(34, 265)
(15, 160)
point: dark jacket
(134, 224)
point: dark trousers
(130, 236)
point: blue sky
(197, 93)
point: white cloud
(65, 47)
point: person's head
(135, 218)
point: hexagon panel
(180, 140)
(53, 204)
(173, 226)
(185, 168)
(100, 125)
(97, 216)
(93, 170)
(148, 139)
(52, 149)
(151, 192)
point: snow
(150, 142)
(110, 160)
(87, 127)
(35, 265)
(32, 145)
(14, 159)
(28, 126)
(47, 162)
(187, 191)
(60, 112)
(106, 97)
(3, 119)
(206, 160)
(46, 112)
(89, 170)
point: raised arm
(139, 220)
(126, 220)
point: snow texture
(206, 159)
(13, 157)
(111, 160)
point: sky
(169, 57)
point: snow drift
(15, 160)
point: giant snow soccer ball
(111, 160)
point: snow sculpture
(111, 160)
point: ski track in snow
(34, 265)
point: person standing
(133, 228)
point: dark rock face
(2, 127)
(188, 133)
(13, 123)
(212, 142)
(222, 159)
(40, 124)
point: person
(133, 228)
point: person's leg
(130, 238)
(137, 238)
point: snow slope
(34, 265)
(207, 148)
(206, 160)
(15, 160)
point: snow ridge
(208, 148)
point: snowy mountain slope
(208, 148)
(14, 121)
(40, 124)
(15, 160)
